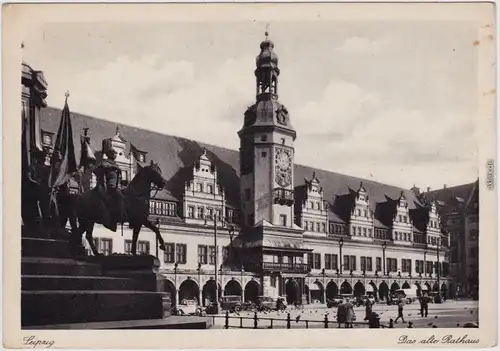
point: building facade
(274, 228)
(458, 207)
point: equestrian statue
(109, 205)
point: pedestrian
(425, 306)
(400, 312)
(341, 314)
(368, 310)
(350, 316)
(421, 301)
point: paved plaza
(446, 315)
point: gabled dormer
(125, 160)
(203, 196)
(402, 228)
(433, 228)
(361, 224)
(314, 211)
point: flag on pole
(63, 162)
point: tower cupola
(267, 71)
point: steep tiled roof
(445, 194)
(175, 155)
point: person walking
(368, 310)
(425, 306)
(341, 314)
(400, 312)
(350, 316)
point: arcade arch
(233, 287)
(359, 289)
(252, 291)
(332, 290)
(208, 292)
(346, 288)
(189, 290)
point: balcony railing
(283, 196)
(278, 267)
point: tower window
(264, 154)
(282, 141)
(283, 220)
(263, 138)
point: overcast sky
(390, 101)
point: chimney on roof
(428, 189)
(444, 186)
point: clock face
(283, 167)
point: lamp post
(323, 273)
(242, 289)
(156, 236)
(425, 261)
(438, 268)
(221, 280)
(175, 281)
(199, 283)
(384, 246)
(341, 243)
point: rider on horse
(108, 176)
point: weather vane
(267, 31)
(66, 95)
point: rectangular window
(158, 208)
(200, 212)
(335, 262)
(218, 213)
(202, 254)
(364, 231)
(283, 220)
(152, 206)
(323, 227)
(317, 261)
(346, 262)
(400, 218)
(328, 261)
(306, 225)
(317, 227)
(128, 247)
(264, 154)
(169, 254)
(210, 188)
(225, 254)
(378, 264)
(369, 267)
(310, 260)
(365, 213)
(171, 209)
(106, 247)
(211, 257)
(199, 187)
(143, 247)
(429, 267)
(47, 139)
(190, 211)
(181, 253)
(210, 212)
(353, 263)
(363, 263)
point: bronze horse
(88, 208)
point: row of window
(201, 212)
(177, 253)
(366, 264)
(362, 231)
(365, 213)
(402, 219)
(105, 246)
(314, 205)
(204, 188)
(315, 226)
(402, 236)
(163, 208)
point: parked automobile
(335, 301)
(265, 303)
(435, 297)
(188, 307)
(408, 295)
(231, 303)
(365, 298)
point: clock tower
(266, 150)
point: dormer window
(199, 187)
(47, 139)
(141, 157)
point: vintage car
(265, 303)
(363, 298)
(188, 307)
(231, 303)
(335, 301)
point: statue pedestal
(143, 269)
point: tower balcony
(283, 196)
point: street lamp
(221, 280)
(199, 282)
(438, 268)
(242, 270)
(341, 243)
(425, 260)
(323, 273)
(384, 246)
(156, 236)
(175, 281)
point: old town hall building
(282, 228)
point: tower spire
(267, 70)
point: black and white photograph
(252, 173)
